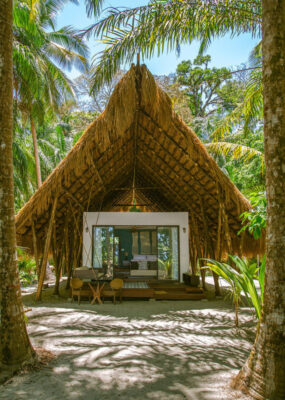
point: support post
(70, 250)
(57, 258)
(46, 251)
(227, 230)
(198, 247)
(218, 247)
(66, 243)
(35, 246)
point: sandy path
(135, 350)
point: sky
(225, 52)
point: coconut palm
(15, 346)
(40, 85)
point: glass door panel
(116, 250)
(168, 252)
(103, 249)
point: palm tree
(165, 25)
(40, 85)
(15, 347)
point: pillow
(139, 257)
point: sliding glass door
(146, 252)
(168, 252)
(103, 249)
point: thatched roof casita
(140, 141)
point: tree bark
(36, 152)
(264, 373)
(216, 284)
(15, 346)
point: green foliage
(230, 275)
(237, 141)
(237, 151)
(73, 124)
(233, 90)
(261, 277)
(166, 266)
(255, 220)
(134, 207)
(241, 157)
(95, 102)
(179, 99)
(201, 84)
(242, 279)
(248, 274)
(243, 163)
(248, 113)
(27, 267)
(39, 53)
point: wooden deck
(153, 289)
(165, 291)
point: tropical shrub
(27, 267)
(243, 279)
(230, 275)
(255, 220)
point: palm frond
(238, 151)
(250, 109)
(94, 7)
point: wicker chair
(76, 286)
(115, 290)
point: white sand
(140, 350)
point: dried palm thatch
(138, 139)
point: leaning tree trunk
(264, 373)
(36, 152)
(15, 347)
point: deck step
(179, 296)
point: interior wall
(179, 219)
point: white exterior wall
(137, 218)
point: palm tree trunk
(36, 152)
(264, 373)
(216, 283)
(15, 347)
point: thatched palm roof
(140, 138)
